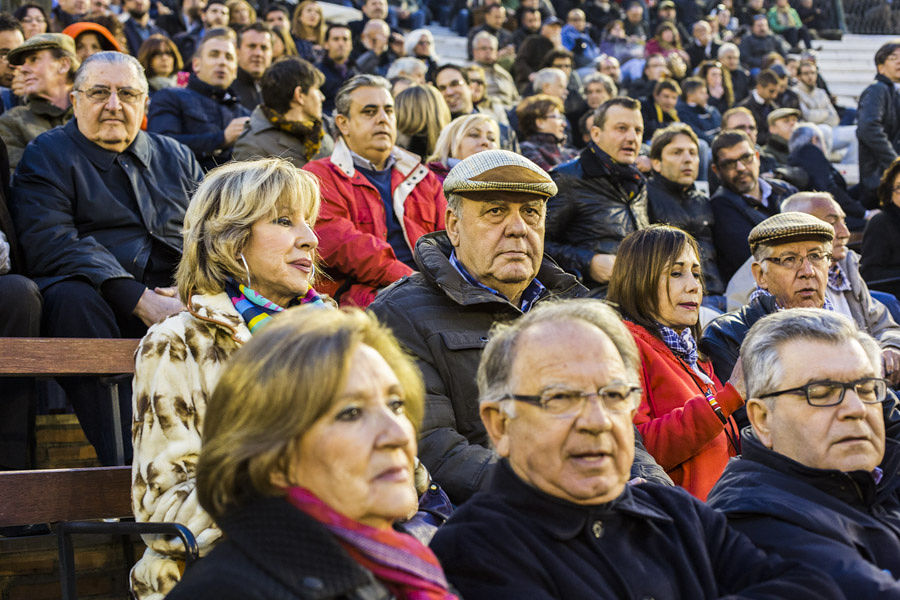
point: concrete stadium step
(848, 65)
(449, 46)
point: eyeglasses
(731, 164)
(795, 261)
(99, 95)
(870, 390)
(615, 397)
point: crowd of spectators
(185, 173)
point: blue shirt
(531, 294)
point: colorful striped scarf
(256, 310)
(400, 561)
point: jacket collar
(560, 518)
(245, 77)
(672, 187)
(342, 158)
(219, 310)
(103, 159)
(885, 80)
(597, 163)
(45, 108)
(432, 256)
(223, 95)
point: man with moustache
(602, 196)
(206, 116)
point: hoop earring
(246, 269)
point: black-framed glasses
(795, 261)
(100, 95)
(615, 398)
(731, 164)
(870, 390)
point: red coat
(679, 427)
(352, 226)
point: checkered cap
(498, 171)
(43, 41)
(789, 227)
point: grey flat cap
(790, 227)
(498, 171)
(43, 41)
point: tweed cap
(780, 113)
(789, 227)
(43, 41)
(498, 171)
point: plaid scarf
(682, 345)
(761, 293)
(256, 310)
(400, 561)
(837, 280)
(308, 132)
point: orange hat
(106, 38)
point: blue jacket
(74, 222)
(844, 523)
(197, 117)
(514, 541)
(705, 122)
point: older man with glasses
(819, 478)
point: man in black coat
(99, 206)
(878, 130)
(674, 200)
(206, 116)
(602, 196)
(254, 49)
(742, 201)
(818, 480)
(488, 267)
(761, 101)
(336, 65)
(559, 390)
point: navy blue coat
(705, 122)
(844, 523)
(74, 222)
(514, 541)
(197, 117)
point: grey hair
(454, 201)
(408, 66)
(726, 48)
(342, 100)
(801, 201)
(764, 251)
(547, 75)
(804, 133)
(495, 368)
(485, 35)
(413, 37)
(760, 352)
(603, 79)
(112, 58)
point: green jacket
(22, 124)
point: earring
(247, 269)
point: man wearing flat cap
(782, 122)
(46, 64)
(487, 267)
(792, 253)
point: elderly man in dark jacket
(602, 196)
(818, 480)
(488, 267)
(878, 129)
(675, 200)
(207, 115)
(559, 390)
(98, 206)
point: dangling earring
(247, 269)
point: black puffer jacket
(598, 204)
(444, 321)
(72, 218)
(689, 209)
(880, 262)
(842, 523)
(878, 131)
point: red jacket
(680, 429)
(352, 227)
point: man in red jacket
(377, 199)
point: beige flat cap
(790, 227)
(498, 171)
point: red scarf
(398, 560)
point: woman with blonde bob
(249, 252)
(463, 137)
(308, 462)
(685, 412)
(422, 114)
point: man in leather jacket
(819, 477)
(878, 128)
(488, 267)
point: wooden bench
(68, 498)
(57, 357)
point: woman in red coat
(685, 411)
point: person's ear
(656, 164)
(195, 63)
(496, 422)
(299, 96)
(451, 225)
(761, 419)
(343, 124)
(715, 169)
(759, 275)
